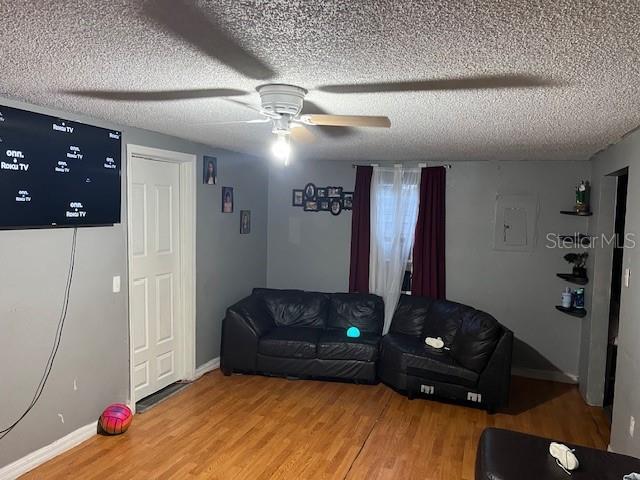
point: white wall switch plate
(632, 425)
(627, 276)
(116, 284)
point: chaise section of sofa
(474, 366)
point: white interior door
(154, 242)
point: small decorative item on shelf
(583, 192)
(578, 299)
(572, 302)
(579, 261)
(567, 298)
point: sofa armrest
(495, 379)
(242, 327)
(252, 311)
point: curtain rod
(421, 165)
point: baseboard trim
(212, 364)
(552, 376)
(46, 453)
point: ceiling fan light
(281, 149)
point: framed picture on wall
(321, 192)
(309, 191)
(310, 206)
(297, 199)
(347, 200)
(245, 221)
(324, 204)
(227, 199)
(334, 192)
(209, 170)
(336, 206)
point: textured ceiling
(589, 49)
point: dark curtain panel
(360, 231)
(428, 250)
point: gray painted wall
(311, 250)
(94, 349)
(519, 289)
(627, 391)
(308, 250)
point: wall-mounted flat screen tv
(57, 173)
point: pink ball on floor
(116, 419)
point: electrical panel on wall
(515, 225)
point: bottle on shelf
(567, 298)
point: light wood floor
(252, 427)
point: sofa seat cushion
(290, 342)
(335, 345)
(410, 355)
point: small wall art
(245, 222)
(298, 198)
(209, 170)
(322, 199)
(227, 199)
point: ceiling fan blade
(185, 20)
(301, 134)
(234, 122)
(157, 95)
(461, 83)
(310, 108)
(346, 120)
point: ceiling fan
(281, 104)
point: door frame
(187, 163)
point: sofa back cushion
(410, 315)
(295, 308)
(365, 311)
(475, 340)
(444, 320)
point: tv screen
(56, 173)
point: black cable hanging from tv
(56, 343)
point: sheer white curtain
(394, 210)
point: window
(388, 200)
(395, 196)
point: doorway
(616, 291)
(161, 255)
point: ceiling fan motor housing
(282, 99)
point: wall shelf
(577, 214)
(573, 278)
(574, 312)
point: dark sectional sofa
(303, 334)
(474, 366)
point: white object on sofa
(434, 342)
